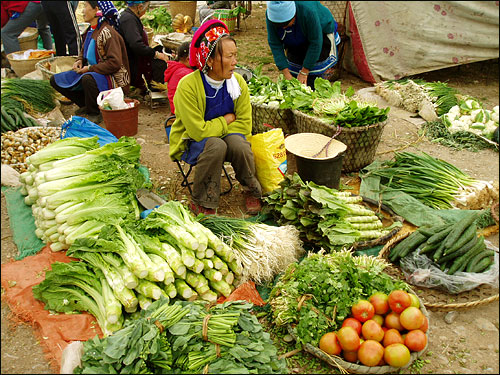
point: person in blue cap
(303, 38)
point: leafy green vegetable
(159, 19)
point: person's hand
(302, 79)
(162, 56)
(77, 65)
(85, 69)
(287, 74)
(230, 117)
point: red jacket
(173, 74)
(9, 7)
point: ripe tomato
(399, 300)
(370, 353)
(416, 340)
(411, 318)
(362, 310)
(392, 321)
(330, 344)
(397, 355)
(380, 302)
(354, 323)
(372, 331)
(348, 338)
(392, 336)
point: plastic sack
(71, 357)
(78, 126)
(419, 270)
(270, 158)
(112, 99)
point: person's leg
(14, 27)
(206, 183)
(76, 96)
(240, 155)
(91, 93)
(72, 35)
(43, 27)
(56, 24)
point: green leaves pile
(325, 217)
(327, 102)
(331, 284)
(159, 19)
(170, 339)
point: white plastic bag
(10, 177)
(71, 357)
(113, 97)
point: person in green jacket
(303, 38)
(214, 119)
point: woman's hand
(162, 56)
(230, 117)
(286, 73)
(85, 69)
(302, 77)
(77, 65)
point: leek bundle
(263, 250)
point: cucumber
(410, 243)
(459, 252)
(474, 262)
(428, 248)
(429, 231)
(439, 236)
(459, 228)
(483, 265)
(439, 252)
(461, 262)
(466, 236)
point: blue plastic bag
(78, 126)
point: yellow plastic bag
(270, 158)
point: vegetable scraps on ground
(325, 217)
(326, 102)
(264, 250)
(316, 295)
(186, 337)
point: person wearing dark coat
(143, 59)
(64, 26)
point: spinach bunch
(316, 295)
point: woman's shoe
(197, 209)
(252, 205)
(81, 111)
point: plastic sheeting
(395, 39)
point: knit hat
(280, 11)
(204, 41)
(110, 13)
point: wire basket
(273, 116)
(361, 141)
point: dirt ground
(464, 340)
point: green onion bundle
(432, 181)
(36, 95)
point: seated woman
(101, 65)
(142, 58)
(214, 117)
(176, 69)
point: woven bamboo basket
(275, 117)
(436, 299)
(24, 66)
(361, 141)
(187, 8)
(28, 39)
(349, 367)
(55, 64)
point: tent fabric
(395, 39)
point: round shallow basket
(361, 141)
(356, 368)
(275, 117)
(55, 64)
(24, 66)
(437, 299)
